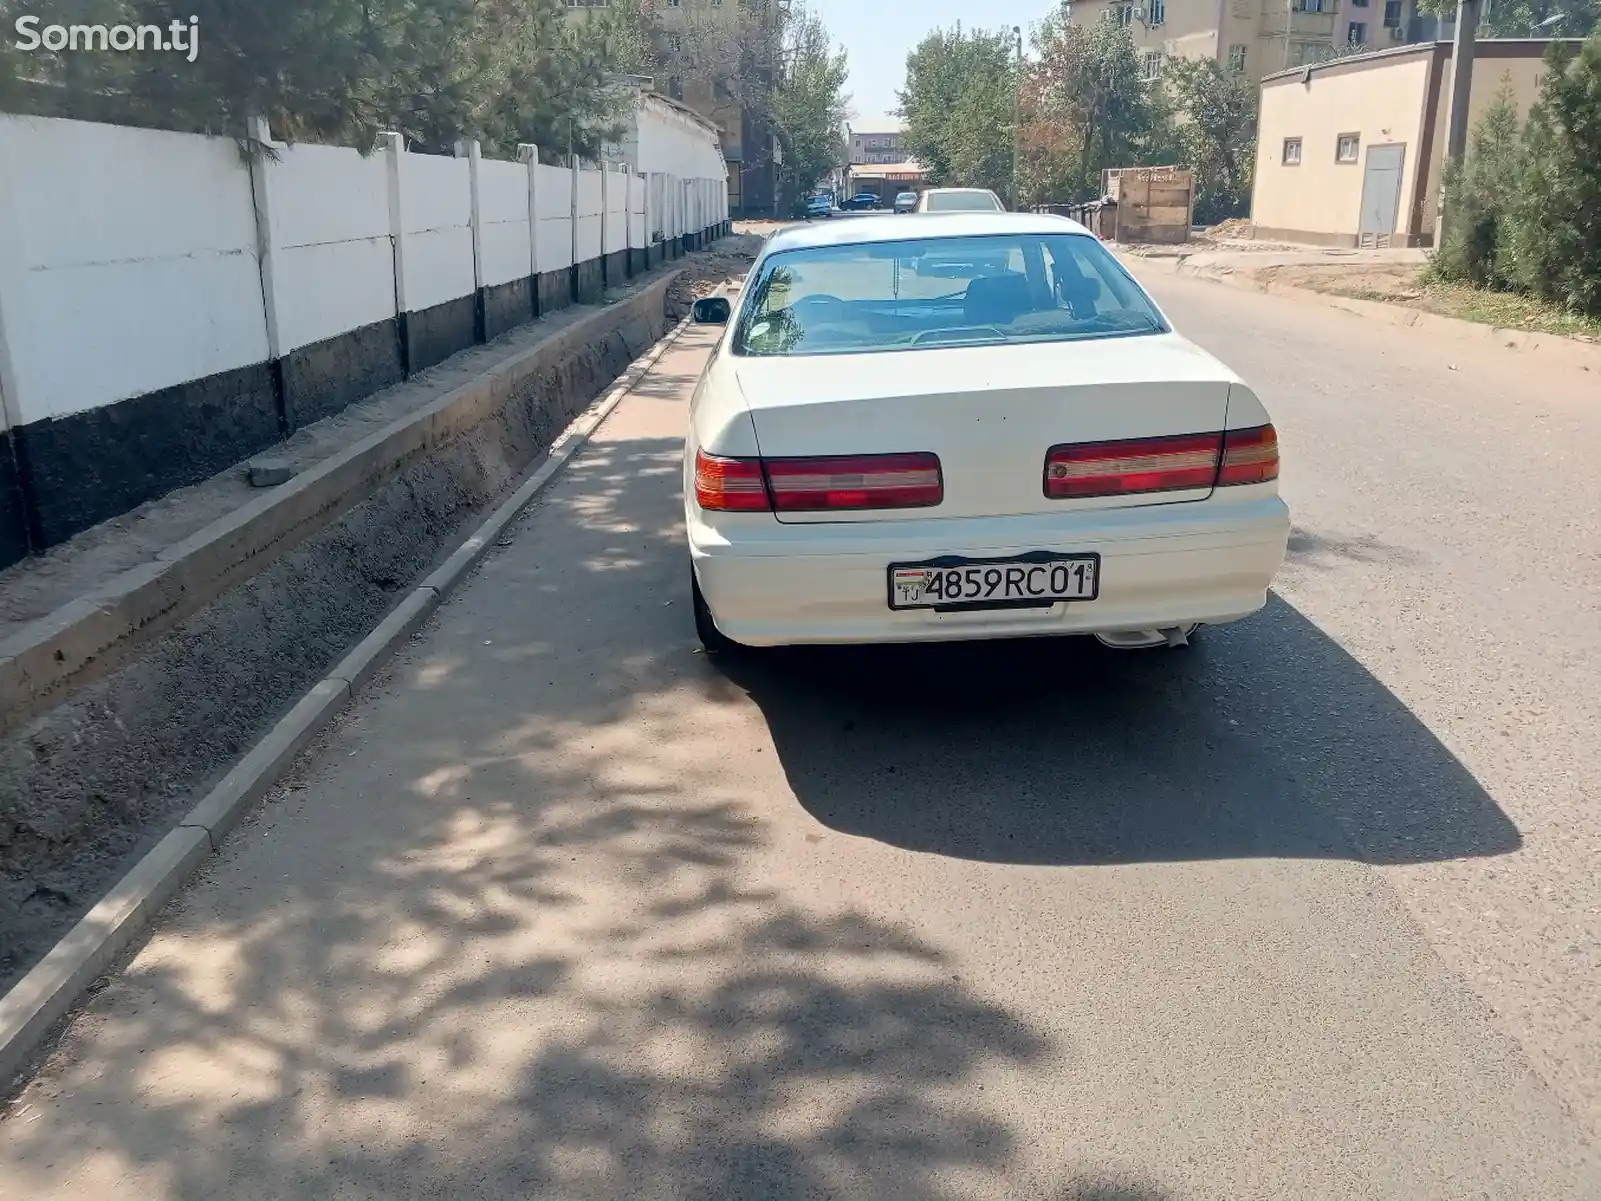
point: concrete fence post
(528, 155)
(577, 169)
(605, 216)
(259, 136)
(469, 149)
(18, 506)
(630, 186)
(395, 152)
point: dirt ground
(1395, 282)
(1404, 284)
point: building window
(1356, 33)
(1392, 14)
(1292, 152)
(1237, 58)
(1308, 6)
(1302, 53)
(1359, 3)
(1123, 14)
(1151, 68)
(1156, 12)
(675, 42)
(1346, 147)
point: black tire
(712, 639)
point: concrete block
(269, 473)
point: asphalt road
(562, 910)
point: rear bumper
(823, 584)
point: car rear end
(1119, 486)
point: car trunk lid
(990, 414)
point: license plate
(1029, 581)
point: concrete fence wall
(171, 305)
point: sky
(877, 34)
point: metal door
(1381, 193)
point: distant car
(880, 453)
(906, 202)
(819, 206)
(960, 200)
(863, 200)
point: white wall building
(664, 136)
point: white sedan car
(959, 200)
(979, 426)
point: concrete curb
(46, 661)
(33, 1006)
(1551, 347)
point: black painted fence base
(553, 290)
(614, 268)
(508, 305)
(326, 377)
(13, 513)
(63, 476)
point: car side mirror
(712, 310)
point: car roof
(923, 225)
(967, 191)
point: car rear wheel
(712, 639)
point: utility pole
(1017, 109)
(1467, 28)
(1456, 131)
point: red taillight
(729, 484)
(1142, 465)
(905, 481)
(1249, 456)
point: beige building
(1350, 152)
(880, 143)
(1255, 37)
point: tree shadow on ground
(501, 936)
(498, 938)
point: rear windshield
(941, 292)
(963, 202)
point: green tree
(339, 70)
(1553, 236)
(1215, 134)
(1526, 18)
(959, 104)
(808, 108)
(1088, 108)
(1477, 195)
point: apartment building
(686, 31)
(1254, 37)
(877, 144)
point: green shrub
(1478, 194)
(1552, 234)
